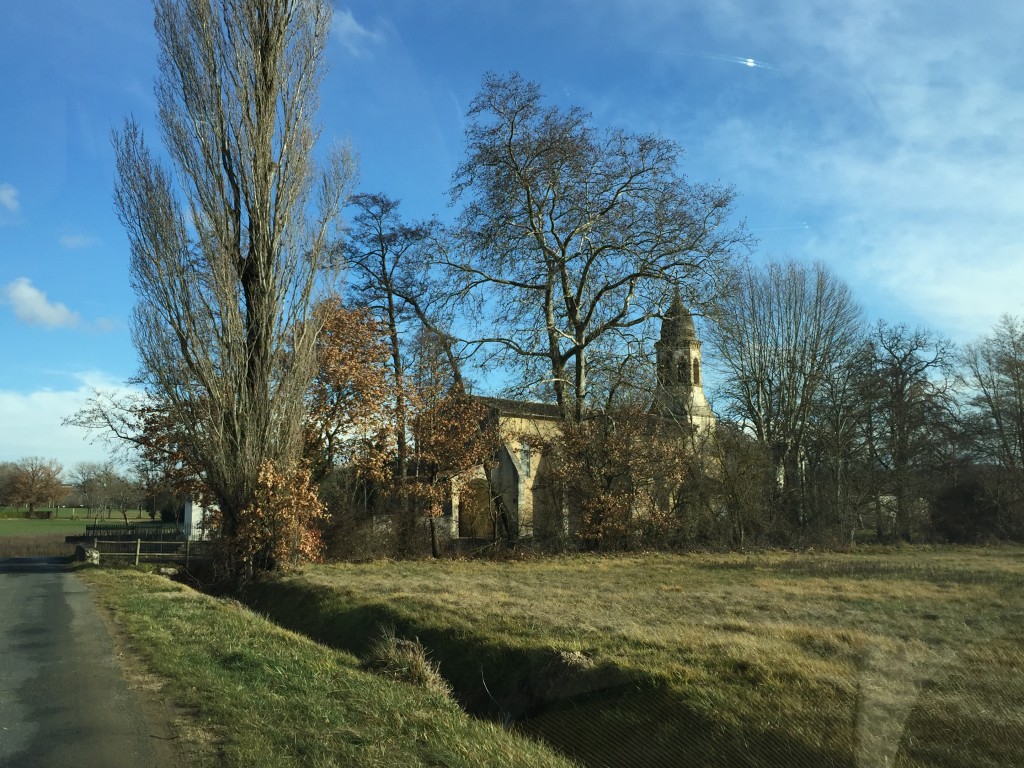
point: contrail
(744, 60)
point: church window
(524, 459)
(696, 372)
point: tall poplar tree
(230, 235)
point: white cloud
(33, 422)
(74, 242)
(894, 133)
(356, 38)
(31, 306)
(99, 380)
(9, 197)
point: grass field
(23, 537)
(70, 513)
(911, 657)
(21, 528)
(262, 697)
(37, 538)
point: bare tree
(571, 236)
(389, 263)
(780, 331)
(727, 496)
(448, 431)
(229, 242)
(122, 492)
(86, 477)
(993, 373)
(909, 419)
(7, 471)
(838, 462)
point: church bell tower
(680, 378)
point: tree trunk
(435, 546)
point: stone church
(512, 495)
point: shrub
(965, 513)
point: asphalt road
(64, 699)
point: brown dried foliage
(349, 399)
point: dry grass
(911, 657)
(406, 661)
(36, 546)
(46, 545)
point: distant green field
(23, 527)
(70, 513)
(37, 538)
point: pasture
(70, 513)
(908, 657)
(43, 535)
(20, 537)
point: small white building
(194, 522)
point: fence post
(138, 548)
(188, 548)
(95, 542)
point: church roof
(677, 324)
(521, 408)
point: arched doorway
(475, 518)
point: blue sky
(882, 137)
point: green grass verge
(272, 699)
(907, 657)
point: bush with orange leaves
(281, 527)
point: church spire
(680, 392)
(677, 326)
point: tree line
(96, 487)
(294, 368)
(882, 426)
